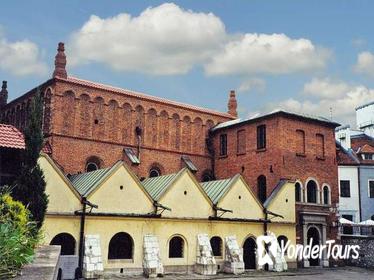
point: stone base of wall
(366, 252)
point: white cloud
(326, 88)
(162, 40)
(342, 106)
(262, 53)
(365, 63)
(21, 58)
(252, 84)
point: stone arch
(66, 241)
(198, 136)
(127, 124)
(68, 112)
(84, 115)
(151, 128)
(98, 130)
(175, 132)
(315, 234)
(113, 111)
(326, 194)
(121, 246)
(47, 100)
(93, 163)
(312, 193)
(164, 129)
(299, 191)
(217, 246)
(249, 252)
(186, 134)
(155, 166)
(177, 246)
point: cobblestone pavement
(346, 273)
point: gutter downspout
(359, 191)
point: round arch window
(93, 163)
(91, 166)
(154, 172)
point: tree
(30, 185)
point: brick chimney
(60, 62)
(232, 105)
(3, 95)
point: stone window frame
(318, 198)
(323, 194)
(301, 191)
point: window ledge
(240, 154)
(223, 156)
(320, 158)
(300, 155)
(261, 150)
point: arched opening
(154, 172)
(313, 235)
(176, 247)
(298, 192)
(207, 176)
(282, 241)
(311, 189)
(216, 244)
(93, 163)
(249, 253)
(326, 195)
(121, 246)
(66, 241)
(261, 188)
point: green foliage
(30, 185)
(17, 236)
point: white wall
(365, 118)
(349, 205)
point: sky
(314, 57)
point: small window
(176, 247)
(154, 172)
(261, 137)
(216, 244)
(371, 188)
(223, 145)
(298, 192)
(326, 195)
(345, 188)
(320, 146)
(207, 176)
(241, 142)
(367, 156)
(311, 189)
(261, 188)
(93, 163)
(91, 166)
(300, 142)
(348, 229)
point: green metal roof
(217, 189)
(85, 183)
(156, 186)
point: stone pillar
(205, 261)
(325, 261)
(92, 261)
(305, 242)
(233, 256)
(152, 265)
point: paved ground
(346, 273)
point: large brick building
(90, 125)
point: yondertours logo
(269, 250)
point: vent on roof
(131, 155)
(189, 163)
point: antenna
(331, 113)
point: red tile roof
(143, 96)
(11, 137)
(366, 149)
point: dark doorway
(66, 241)
(120, 246)
(249, 253)
(311, 189)
(314, 235)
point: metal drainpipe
(359, 191)
(266, 267)
(81, 237)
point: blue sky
(306, 56)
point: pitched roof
(87, 182)
(143, 96)
(11, 137)
(346, 156)
(275, 191)
(157, 186)
(366, 149)
(274, 113)
(218, 188)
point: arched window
(207, 176)
(216, 243)
(66, 241)
(261, 188)
(282, 241)
(154, 172)
(298, 192)
(176, 247)
(311, 189)
(93, 163)
(121, 246)
(326, 195)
